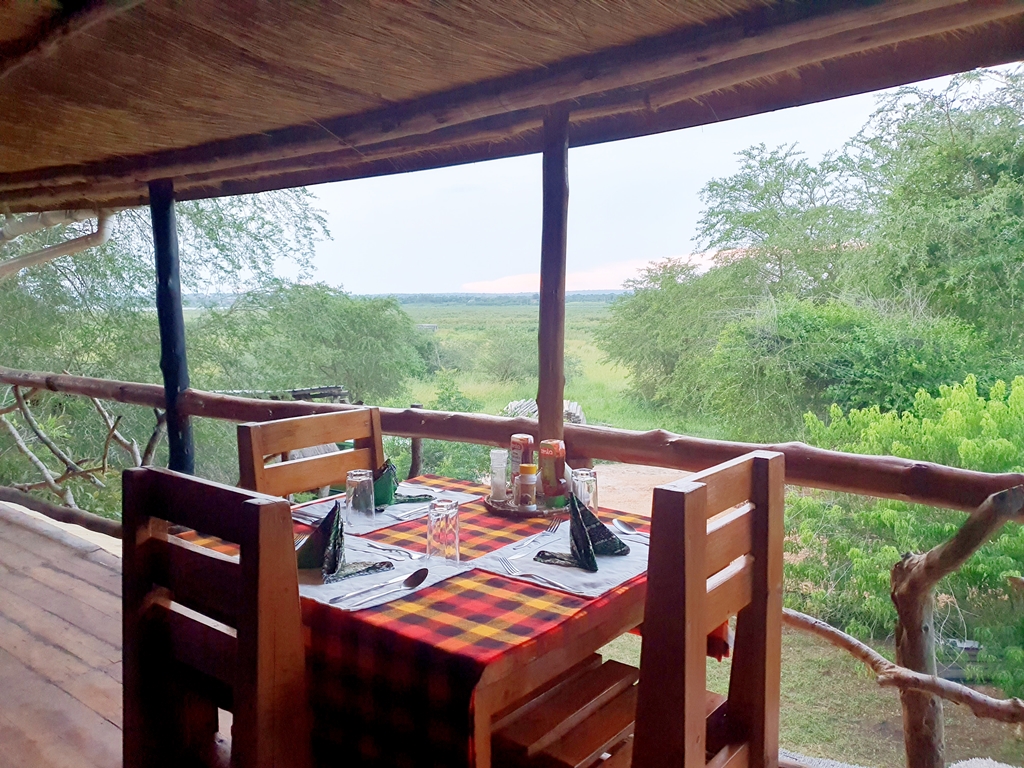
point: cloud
(607, 277)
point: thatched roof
(231, 96)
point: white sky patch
(605, 277)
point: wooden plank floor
(60, 648)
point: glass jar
(526, 488)
(499, 461)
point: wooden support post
(551, 337)
(173, 363)
(415, 452)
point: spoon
(395, 580)
(414, 580)
(625, 527)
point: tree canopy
(892, 265)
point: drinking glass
(584, 485)
(443, 530)
(359, 494)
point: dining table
(421, 679)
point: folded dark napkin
(588, 537)
(335, 568)
(401, 498)
(310, 552)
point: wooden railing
(993, 498)
(882, 476)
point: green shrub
(840, 549)
(793, 356)
(959, 427)
(463, 461)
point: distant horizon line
(467, 294)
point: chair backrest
(716, 552)
(258, 441)
(203, 630)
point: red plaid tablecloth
(393, 685)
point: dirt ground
(628, 487)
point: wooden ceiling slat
(733, 67)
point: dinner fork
(552, 528)
(513, 571)
(392, 550)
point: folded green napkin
(588, 537)
(335, 568)
(385, 483)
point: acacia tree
(92, 312)
(789, 221)
(943, 173)
(291, 336)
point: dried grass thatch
(227, 96)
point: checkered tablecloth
(393, 685)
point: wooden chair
(716, 552)
(202, 630)
(258, 441)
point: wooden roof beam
(72, 19)
(985, 45)
(671, 69)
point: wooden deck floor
(60, 648)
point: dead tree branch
(68, 462)
(106, 444)
(913, 581)
(925, 571)
(64, 493)
(158, 432)
(130, 446)
(895, 676)
(61, 479)
(12, 408)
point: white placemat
(362, 550)
(612, 570)
(392, 515)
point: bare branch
(912, 583)
(106, 443)
(69, 464)
(994, 512)
(64, 493)
(893, 676)
(130, 446)
(158, 432)
(12, 408)
(61, 479)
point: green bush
(959, 427)
(509, 354)
(840, 550)
(795, 355)
(463, 461)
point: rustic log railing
(993, 498)
(919, 482)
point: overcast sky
(477, 227)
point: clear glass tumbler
(584, 485)
(443, 530)
(359, 495)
